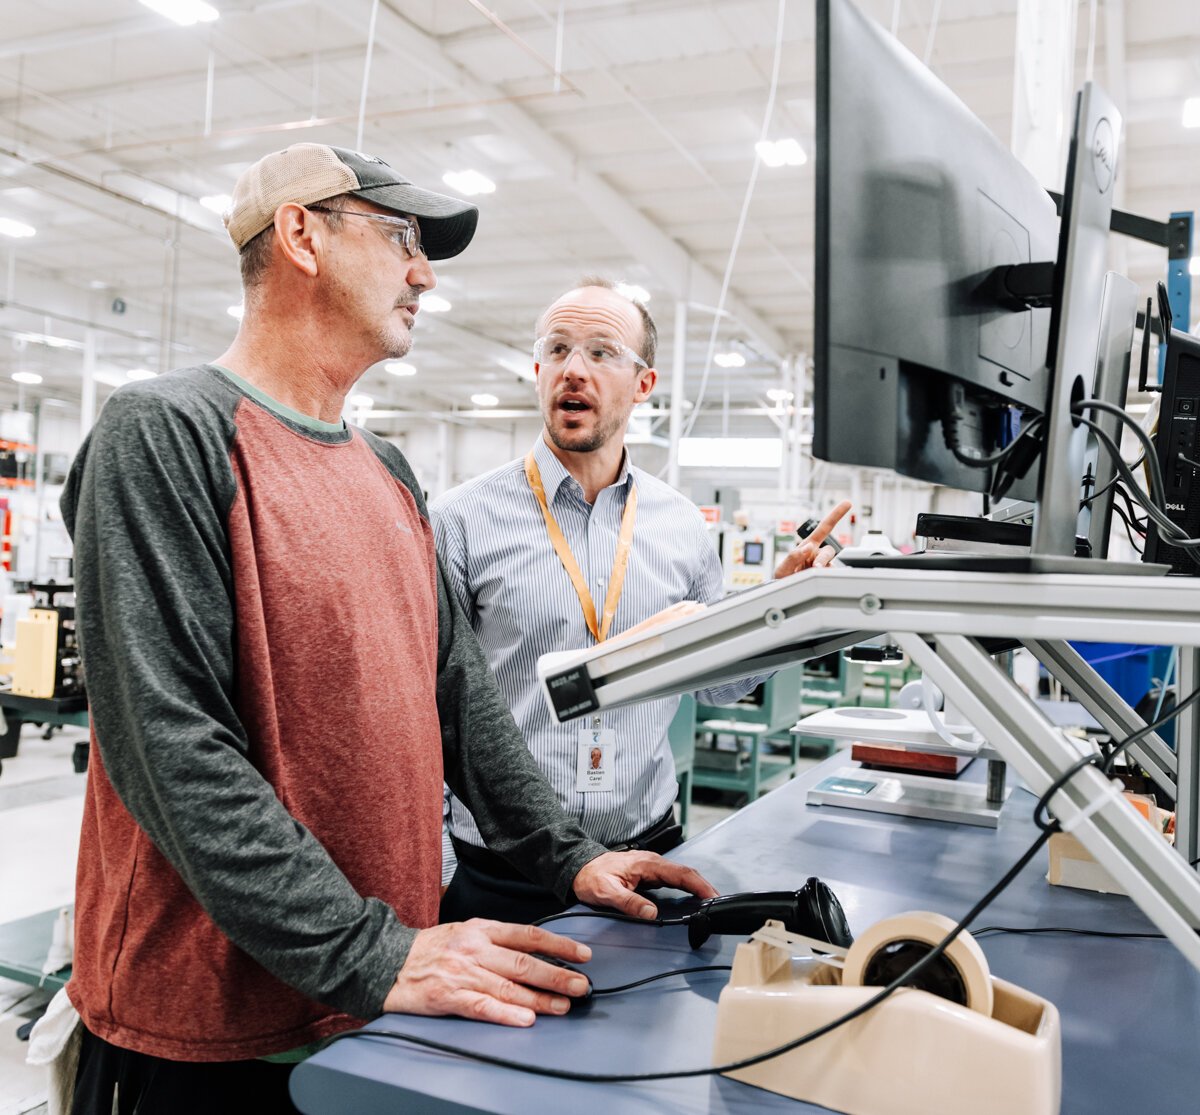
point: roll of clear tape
(924, 928)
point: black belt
(660, 837)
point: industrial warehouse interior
(740, 471)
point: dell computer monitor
(917, 203)
(952, 306)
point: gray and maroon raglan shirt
(278, 681)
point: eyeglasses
(404, 233)
(555, 351)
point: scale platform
(909, 795)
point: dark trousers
(146, 1085)
(487, 886)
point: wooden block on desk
(886, 757)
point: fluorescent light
(1194, 265)
(632, 290)
(184, 12)
(729, 360)
(730, 452)
(468, 182)
(27, 377)
(399, 368)
(522, 369)
(18, 230)
(434, 304)
(217, 203)
(236, 311)
(781, 152)
(779, 395)
(485, 400)
(361, 402)
(140, 373)
(110, 377)
(1191, 112)
(49, 340)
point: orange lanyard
(624, 544)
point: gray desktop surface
(1129, 1007)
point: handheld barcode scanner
(812, 911)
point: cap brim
(447, 224)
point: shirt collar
(554, 472)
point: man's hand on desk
(811, 554)
(483, 970)
(611, 880)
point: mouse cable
(612, 915)
(900, 981)
(661, 975)
(1048, 828)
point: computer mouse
(570, 968)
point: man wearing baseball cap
(279, 680)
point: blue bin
(1125, 666)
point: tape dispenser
(962, 1040)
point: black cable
(1097, 494)
(1169, 530)
(998, 457)
(1129, 530)
(904, 979)
(1139, 524)
(610, 915)
(661, 975)
(1142, 436)
(1032, 929)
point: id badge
(596, 758)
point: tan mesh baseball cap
(309, 172)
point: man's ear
(300, 236)
(647, 378)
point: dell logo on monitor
(1104, 154)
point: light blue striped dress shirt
(503, 568)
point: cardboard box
(1072, 865)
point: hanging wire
(933, 26)
(737, 236)
(362, 101)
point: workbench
(1129, 1007)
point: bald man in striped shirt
(570, 545)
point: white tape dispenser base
(980, 1045)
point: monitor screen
(752, 553)
(917, 204)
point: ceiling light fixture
(399, 368)
(109, 377)
(485, 400)
(18, 230)
(236, 311)
(361, 402)
(780, 395)
(633, 291)
(781, 152)
(729, 360)
(184, 12)
(468, 182)
(47, 339)
(217, 203)
(434, 304)
(1191, 112)
(140, 373)
(27, 377)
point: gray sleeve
(146, 504)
